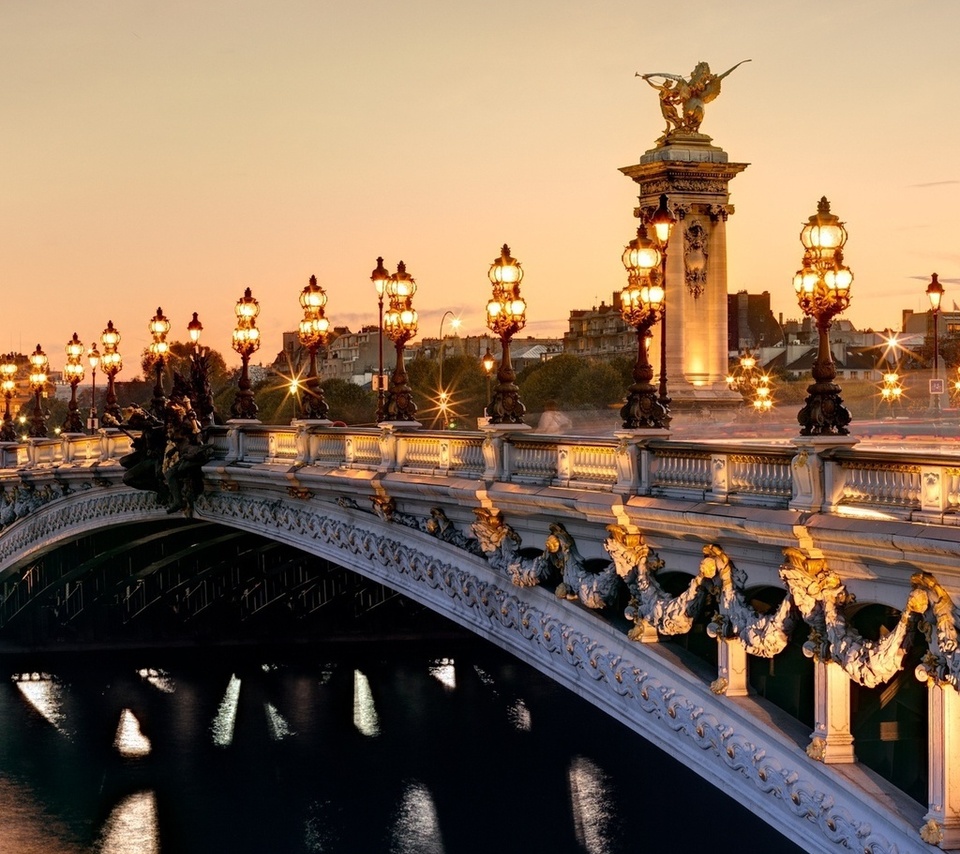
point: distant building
(600, 333)
(750, 322)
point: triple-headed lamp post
(641, 305)
(112, 363)
(823, 291)
(506, 316)
(159, 327)
(8, 384)
(314, 333)
(246, 341)
(400, 325)
(38, 383)
(73, 371)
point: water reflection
(45, 694)
(130, 741)
(364, 712)
(279, 728)
(589, 801)
(519, 716)
(226, 718)
(445, 673)
(160, 680)
(417, 830)
(132, 827)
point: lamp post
(38, 382)
(400, 325)
(751, 383)
(935, 295)
(202, 398)
(663, 221)
(443, 395)
(380, 278)
(488, 361)
(159, 327)
(506, 316)
(641, 305)
(246, 341)
(112, 363)
(8, 372)
(822, 285)
(73, 370)
(93, 357)
(314, 333)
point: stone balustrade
(819, 474)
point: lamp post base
(644, 410)
(823, 413)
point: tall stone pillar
(694, 175)
(942, 825)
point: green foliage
(465, 382)
(573, 382)
(178, 359)
(349, 402)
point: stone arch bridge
(585, 557)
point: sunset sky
(175, 153)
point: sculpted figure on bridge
(168, 455)
(682, 100)
(596, 590)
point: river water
(428, 747)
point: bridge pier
(831, 741)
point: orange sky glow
(176, 153)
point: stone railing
(812, 474)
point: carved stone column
(695, 176)
(732, 668)
(942, 825)
(831, 741)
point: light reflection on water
(160, 680)
(589, 801)
(130, 741)
(445, 673)
(303, 776)
(132, 827)
(226, 718)
(417, 830)
(364, 712)
(45, 694)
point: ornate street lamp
(935, 295)
(314, 334)
(246, 341)
(892, 389)
(38, 383)
(202, 395)
(159, 327)
(380, 278)
(823, 291)
(663, 221)
(194, 328)
(641, 305)
(506, 316)
(751, 383)
(400, 325)
(8, 383)
(73, 371)
(112, 363)
(93, 357)
(488, 361)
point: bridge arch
(649, 688)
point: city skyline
(176, 156)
